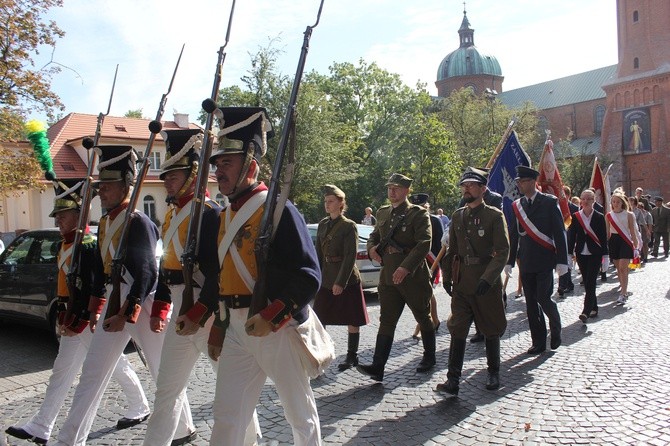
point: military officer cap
(418, 199)
(658, 198)
(116, 163)
(243, 129)
(68, 194)
(331, 189)
(474, 175)
(398, 179)
(182, 149)
(526, 172)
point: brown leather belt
(391, 250)
(334, 259)
(175, 277)
(469, 260)
(236, 300)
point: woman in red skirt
(340, 300)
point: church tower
(635, 129)
(467, 66)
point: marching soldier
(259, 346)
(75, 338)
(116, 174)
(400, 242)
(182, 346)
(477, 253)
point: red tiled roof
(73, 128)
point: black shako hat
(474, 174)
(68, 194)
(398, 179)
(526, 172)
(418, 199)
(242, 129)
(182, 149)
(116, 163)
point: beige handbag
(316, 347)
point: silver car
(369, 270)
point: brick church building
(620, 112)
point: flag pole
(503, 140)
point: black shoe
(477, 337)
(372, 371)
(536, 349)
(561, 291)
(555, 342)
(125, 423)
(570, 289)
(493, 381)
(426, 364)
(583, 317)
(184, 440)
(350, 361)
(23, 435)
(450, 387)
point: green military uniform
(402, 238)
(483, 257)
(408, 247)
(336, 245)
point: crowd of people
(174, 318)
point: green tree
(137, 114)
(23, 86)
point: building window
(635, 16)
(599, 116)
(155, 161)
(636, 63)
(150, 207)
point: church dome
(467, 60)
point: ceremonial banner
(601, 184)
(550, 179)
(503, 172)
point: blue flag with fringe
(503, 172)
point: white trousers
(105, 350)
(245, 363)
(71, 354)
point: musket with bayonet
(155, 126)
(274, 206)
(192, 243)
(85, 208)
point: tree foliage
(137, 114)
(23, 86)
(19, 169)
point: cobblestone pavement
(608, 384)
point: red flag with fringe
(601, 185)
(550, 179)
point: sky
(534, 41)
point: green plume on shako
(36, 131)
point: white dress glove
(606, 264)
(508, 270)
(561, 269)
(571, 262)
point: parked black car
(28, 278)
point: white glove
(508, 270)
(561, 269)
(571, 262)
(606, 264)
(636, 253)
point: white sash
(175, 222)
(63, 257)
(226, 245)
(107, 246)
(587, 227)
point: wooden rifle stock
(198, 202)
(272, 205)
(155, 126)
(85, 209)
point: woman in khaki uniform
(340, 300)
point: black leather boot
(456, 356)
(352, 353)
(428, 360)
(493, 362)
(382, 352)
